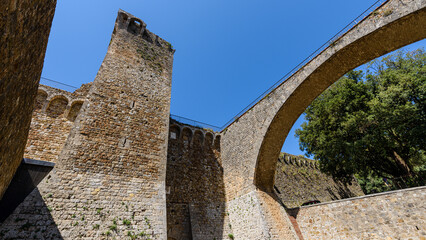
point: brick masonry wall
(25, 28)
(109, 180)
(251, 145)
(195, 185)
(122, 131)
(178, 221)
(391, 215)
(53, 117)
(298, 180)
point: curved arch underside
(261, 131)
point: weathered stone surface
(72, 205)
(112, 139)
(251, 144)
(25, 27)
(122, 130)
(248, 217)
(48, 132)
(109, 180)
(390, 215)
(195, 185)
(298, 180)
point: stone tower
(121, 132)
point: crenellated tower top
(128, 22)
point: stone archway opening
(74, 110)
(57, 106)
(40, 99)
(309, 83)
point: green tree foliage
(373, 124)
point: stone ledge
(366, 196)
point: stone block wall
(25, 28)
(122, 131)
(72, 205)
(298, 180)
(109, 179)
(195, 185)
(391, 215)
(248, 217)
(54, 113)
(178, 221)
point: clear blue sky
(227, 52)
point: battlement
(298, 180)
(193, 135)
(298, 161)
(128, 22)
(55, 111)
(56, 102)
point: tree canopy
(373, 122)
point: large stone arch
(252, 143)
(314, 79)
(250, 146)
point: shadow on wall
(195, 188)
(30, 220)
(342, 190)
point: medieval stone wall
(109, 179)
(72, 205)
(54, 114)
(298, 180)
(252, 143)
(390, 215)
(194, 182)
(25, 27)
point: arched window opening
(208, 139)
(217, 143)
(74, 110)
(57, 106)
(40, 99)
(186, 136)
(198, 138)
(174, 132)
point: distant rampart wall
(298, 180)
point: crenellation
(297, 181)
(193, 134)
(137, 27)
(195, 199)
(52, 120)
(126, 169)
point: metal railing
(195, 123)
(56, 84)
(184, 120)
(311, 57)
